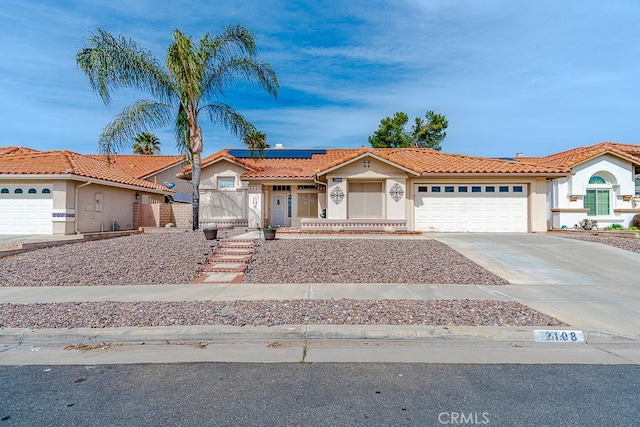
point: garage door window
(365, 200)
(476, 189)
(46, 191)
(4, 191)
(18, 191)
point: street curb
(211, 333)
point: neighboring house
(374, 189)
(159, 169)
(604, 185)
(62, 192)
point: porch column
(255, 206)
(336, 197)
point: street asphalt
(592, 287)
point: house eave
(73, 177)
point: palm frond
(140, 116)
(185, 66)
(225, 116)
(251, 70)
(113, 62)
(182, 132)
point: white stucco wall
(567, 203)
(396, 209)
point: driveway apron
(585, 284)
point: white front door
(278, 210)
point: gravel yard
(271, 313)
(364, 261)
(630, 243)
(143, 259)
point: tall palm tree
(146, 143)
(193, 81)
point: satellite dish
(169, 185)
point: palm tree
(146, 143)
(193, 81)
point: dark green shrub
(616, 226)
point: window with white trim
(365, 200)
(226, 183)
(638, 186)
(598, 197)
(307, 205)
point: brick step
(225, 257)
(233, 251)
(222, 268)
(245, 246)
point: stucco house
(62, 192)
(604, 185)
(374, 189)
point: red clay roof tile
(68, 163)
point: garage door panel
(483, 211)
(26, 214)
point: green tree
(189, 86)
(256, 140)
(431, 133)
(146, 143)
(392, 132)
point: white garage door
(471, 207)
(26, 209)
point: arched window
(46, 191)
(598, 197)
(4, 191)
(32, 191)
(18, 191)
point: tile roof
(140, 166)
(570, 158)
(62, 162)
(429, 161)
(423, 161)
(16, 150)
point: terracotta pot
(210, 234)
(269, 234)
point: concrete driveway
(588, 285)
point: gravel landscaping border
(364, 261)
(272, 313)
(628, 243)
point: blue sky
(511, 76)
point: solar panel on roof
(276, 153)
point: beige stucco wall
(377, 171)
(99, 206)
(169, 175)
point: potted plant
(269, 233)
(210, 231)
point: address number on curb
(559, 336)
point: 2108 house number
(559, 336)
